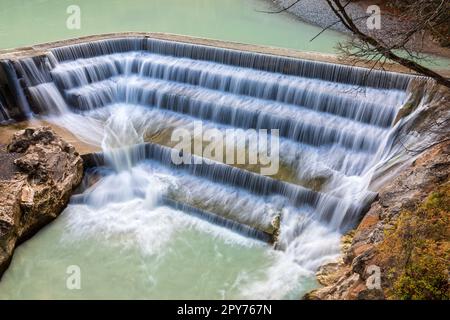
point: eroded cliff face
(400, 250)
(38, 171)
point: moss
(425, 277)
(416, 250)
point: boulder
(39, 170)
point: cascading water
(4, 114)
(129, 95)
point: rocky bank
(38, 171)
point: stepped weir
(127, 95)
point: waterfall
(4, 114)
(129, 95)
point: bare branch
(380, 47)
(281, 10)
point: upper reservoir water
(25, 22)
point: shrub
(417, 250)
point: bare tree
(400, 42)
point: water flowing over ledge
(127, 95)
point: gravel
(318, 12)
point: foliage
(417, 250)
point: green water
(193, 265)
(30, 22)
(130, 248)
(171, 260)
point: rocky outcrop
(38, 171)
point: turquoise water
(28, 22)
(131, 249)
(25, 23)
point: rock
(24, 138)
(40, 172)
(370, 294)
(360, 262)
(345, 288)
(329, 273)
